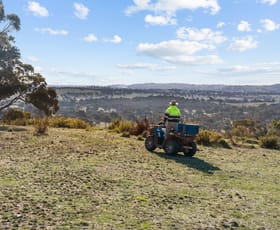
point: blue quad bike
(180, 140)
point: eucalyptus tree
(19, 81)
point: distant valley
(212, 106)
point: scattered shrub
(140, 127)
(41, 126)
(19, 122)
(203, 138)
(126, 126)
(114, 125)
(240, 131)
(269, 142)
(248, 128)
(67, 122)
(251, 141)
(125, 134)
(211, 138)
(207, 138)
(224, 144)
(16, 117)
(274, 128)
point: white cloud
(172, 6)
(116, 39)
(205, 35)
(243, 44)
(160, 20)
(139, 5)
(244, 26)
(148, 66)
(81, 11)
(51, 31)
(272, 68)
(194, 60)
(177, 51)
(37, 9)
(270, 2)
(90, 38)
(269, 25)
(172, 48)
(220, 25)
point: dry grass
(78, 179)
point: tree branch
(14, 100)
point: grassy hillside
(77, 179)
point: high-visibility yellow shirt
(173, 110)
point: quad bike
(180, 140)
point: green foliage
(274, 128)
(252, 141)
(125, 126)
(128, 127)
(13, 114)
(45, 99)
(16, 117)
(140, 127)
(206, 137)
(114, 125)
(223, 143)
(240, 131)
(67, 122)
(248, 128)
(18, 81)
(41, 126)
(270, 142)
(211, 138)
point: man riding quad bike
(181, 139)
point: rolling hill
(226, 88)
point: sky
(106, 42)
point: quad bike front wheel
(190, 150)
(150, 143)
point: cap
(173, 102)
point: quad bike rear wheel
(191, 150)
(171, 147)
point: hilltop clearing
(80, 179)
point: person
(172, 116)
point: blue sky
(94, 42)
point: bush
(125, 126)
(129, 127)
(41, 126)
(224, 144)
(240, 131)
(114, 125)
(66, 122)
(207, 138)
(211, 138)
(269, 142)
(251, 141)
(274, 128)
(16, 117)
(248, 128)
(140, 127)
